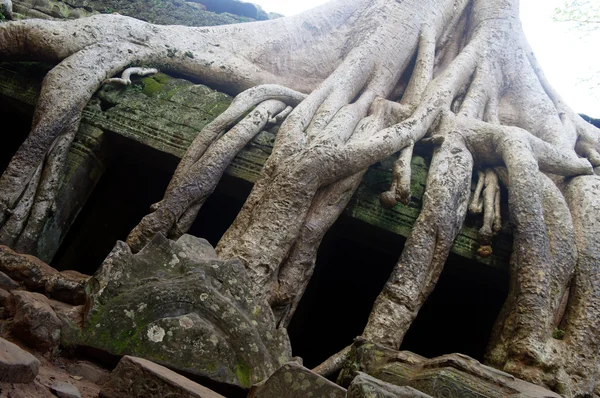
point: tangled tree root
(474, 90)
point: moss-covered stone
(176, 304)
(448, 376)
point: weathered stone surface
(176, 304)
(65, 390)
(365, 386)
(236, 7)
(4, 295)
(34, 322)
(448, 376)
(16, 365)
(7, 283)
(293, 380)
(137, 377)
(67, 286)
(166, 12)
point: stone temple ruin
(174, 318)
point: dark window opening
(460, 313)
(136, 177)
(352, 268)
(353, 264)
(16, 124)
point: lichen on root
(474, 90)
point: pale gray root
(297, 268)
(44, 200)
(581, 321)
(187, 219)
(544, 253)
(423, 71)
(201, 178)
(125, 79)
(19, 215)
(309, 158)
(476, 206)
(401, 175)
(420, 78)
(444, 208)
(334, 363)
(65, 91)
(241, 104)
(539, 286)
(329, 202)
(486, 200)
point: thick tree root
(184, 197)
(475, 91)
(65, 92)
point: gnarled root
(30, 182)
(125, 79)
(329, 202)
(194, 182)
(422, 260)
(400, 189)
(486, 200)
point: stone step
(16, 365)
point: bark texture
(366, 79)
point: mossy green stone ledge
(166, 113)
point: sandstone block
(293, 380)
(137, 377)
(16, 365)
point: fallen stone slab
(16, 365)
(35, 322)
(137, 377)
(65, 390)
(293, 380)
(365, 386)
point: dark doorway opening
(136, 177)
(354, 262)
(16, 124)
(460, 313)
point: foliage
(584, 14)
(558, 333)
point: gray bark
(475, 91)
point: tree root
(177, 211)
(125, 78)
(487, 201)
(471, 60)
(334, 363)
(55, 123)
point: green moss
(154, 84)
(558, 333)
(242, 371)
